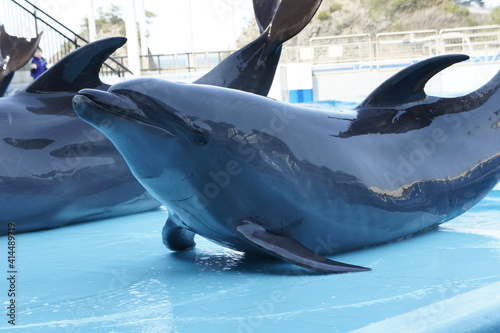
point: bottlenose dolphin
(252, 68)
(15, 52)
(57, 170)
(54, 168)
(298, 183)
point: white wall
(355, 86)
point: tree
(111, 22)
(469, 3)
(495, 16)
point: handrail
(65, 34)
(53, 19)
(355, 52)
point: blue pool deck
(116, 276)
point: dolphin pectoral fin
(289, 19)
(177, 238)
(289, 249)
(407, 86)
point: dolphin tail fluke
(264, 12)
(283, 20)
(16, 51)
(290, 250)
(407, 86)
(252, 67)
(79, 69)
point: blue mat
(116, 276)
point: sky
(212, 25)
(213, 28)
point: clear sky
(213, 26)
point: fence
(386, 50)
(185, 62)
(357, 52)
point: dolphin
(298, 183)
(15, 52)
(252, 67)
(56, 169)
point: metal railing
(355, 52)
(183, 62)
(24, 19)
(389, 50)
(341, 48)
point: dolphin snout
(112, 101)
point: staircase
(24, 19)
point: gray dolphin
(56, 169)
(252, 67)
(15, 52)
(297, 183)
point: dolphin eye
(201, 140)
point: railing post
(36, 21)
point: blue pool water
(115, 275)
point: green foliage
(335, 7)
(149, 15)
(495, 16)
(390, 7)
(393, 6)
(113, 16)
(471, 22)
(454, 8)
(324, 16)
(111, 20)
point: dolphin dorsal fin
(79, 69)
(284, 19)
(407, 86)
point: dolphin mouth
(112, 102)
(120, 106)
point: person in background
(38, 64)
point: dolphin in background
(298, 183)
(252, 68)
(57, 170)
(54, 168)
(15, 52)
